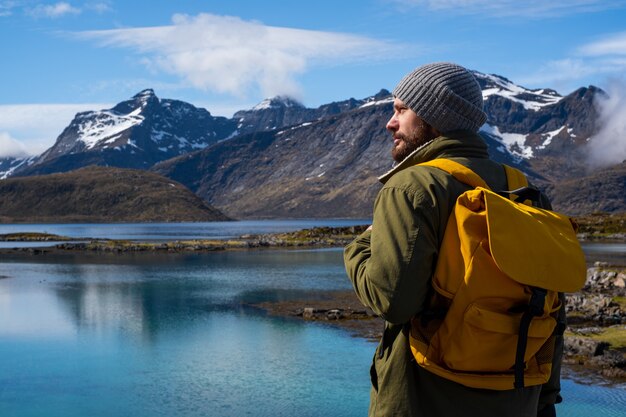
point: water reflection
(150, 336)
(613, 253)
(103, 307)
(173, 231)
(139, 296)
(33, 315)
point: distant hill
(600, 191)
(101, 194)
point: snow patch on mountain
(384, 101)
(548, 136)
(106, 125)
(145, 95)
(265, 104)
(181, 142)
(514, 143)
(276, 102)
(494, 85)
(159, 135)
(9, 165)
(232, 135)
(305, 124)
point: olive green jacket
(391, 267)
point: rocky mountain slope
(326, 168)
(99, 194)
(322, 169)
(601, 191)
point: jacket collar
(459, 143)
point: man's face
(408, 131)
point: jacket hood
(453, 144)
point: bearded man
(437, 112)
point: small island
(316, 237)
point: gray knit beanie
(445, 95)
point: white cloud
(36, 126)
(609, 145)
(6, 8)
(10, 146)
(225, 108)
(564, 73)
(53, 10)
(536, 9)
(614, 44)
(101, 7)
(128, 87)
(603, 58)
(229, 55)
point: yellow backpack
(490, 322)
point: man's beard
(408, 144)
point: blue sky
(61, 57)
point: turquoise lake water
(171, 335)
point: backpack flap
(533, 246)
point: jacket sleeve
(390, 266)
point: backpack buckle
(524, 193)
(537, 301)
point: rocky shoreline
(595, 341)
(596, 337)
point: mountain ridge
(302, 162)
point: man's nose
(392, 124)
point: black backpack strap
(535, 308)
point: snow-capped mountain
(136, 133)
(278, 112)
(496, 85)
(271, 113)
(532, 124)
(276, 103)
(8, 165)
